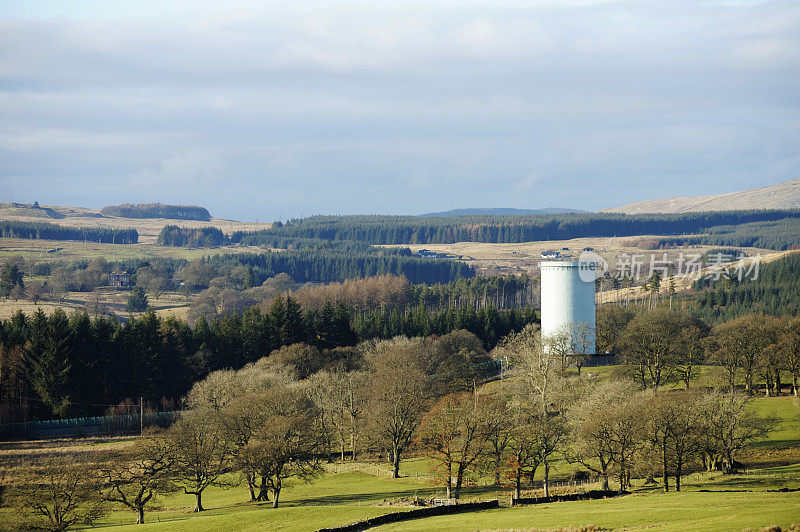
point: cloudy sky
(266, 110)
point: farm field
(114, 301)
(104, 300)
(51, 250)
(639, 511)
(734, 502)
(525, 257)
(148, 228)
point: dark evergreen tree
(10, 277)
(48, 357)
(137, 300)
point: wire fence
(385, 471)
(86, 426)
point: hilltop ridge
(784, 195)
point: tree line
(330, 266)
(283, 417)
(48, 231)
(390, 291)
(380, 229)
(773, 234)
(157, 210)
(775, 291)
(661, 347)
(173, 235)
(63, 366)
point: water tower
(567, 297)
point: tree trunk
(546, 479)
(263, 491)
(276, 492)
(605, 482)
(251, 488)
(396, 464)
(517, 483)
(678, 472)
(665, 465)
(459, 481)
(198, 505)
(140, 515)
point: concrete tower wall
(566, 298)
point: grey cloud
(394, 107)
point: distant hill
(781, 196)
(157, 210)
(502, 211)
(32, 210)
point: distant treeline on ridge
(328, 266)
(379, 229)
(48, 231)
(172, 235)
(157, 210)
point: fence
(86, 426)
(593, 361)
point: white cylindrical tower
(568, 299)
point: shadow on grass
(776, 444)
(745, 482)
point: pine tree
(293, 330)
(137, 300)
(10, 278)
(48, 357)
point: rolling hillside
(781, 196)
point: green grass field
(350, 492)
(345, 497)
(663, 512)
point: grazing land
(350, 491)
(503, 259)
(148, 228)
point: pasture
(349, 491)
(507, 258)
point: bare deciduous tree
(582, 341)
(203, 453)
(454, 433)
(650, 350)
(536, 366)
(287, 444)
(729, 426)
(397, 396)
(135, 477)
(57, 492)
(592, 424)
